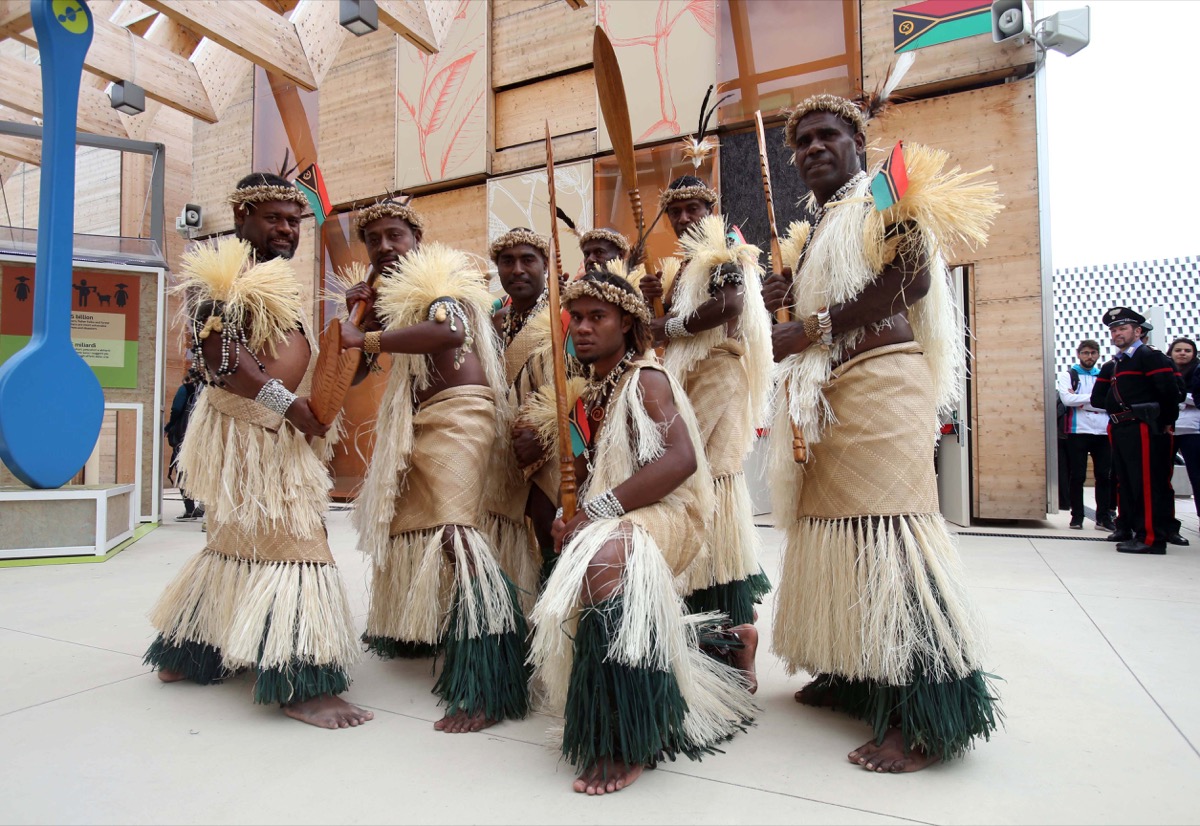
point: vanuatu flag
(890, 183)
(939, 21)
(312, 184)
(581, 428)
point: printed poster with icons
(104, 319)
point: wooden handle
(566, 457)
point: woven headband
(387, 209)
(517, 236)
(844, 109)
(613, 237)
(608, 293)
(266, 192)
(686, 193)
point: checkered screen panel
(1083, 294)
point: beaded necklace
(514, 322)
(597, 393)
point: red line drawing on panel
(705, 12)
(436, 108)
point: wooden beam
(118, 54)
(411, 20)
(133, 14)
(15, 16)
(21, 149)
(221, 71)
(21, 89)
(321, 34)
(577, 4)
(248, 29)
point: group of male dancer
(633, 619)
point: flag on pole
(890, 183)
(312, 184)
(939, 21)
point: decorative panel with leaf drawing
(521, 201)
(668, 55)
(442, 117)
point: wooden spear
(799, 449)
(566, 458)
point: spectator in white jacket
(1187, 426)
(1086, 430)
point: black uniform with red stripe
(1142, 450)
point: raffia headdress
(603, 234)
(520, 235)
(387, 209)
(630, 302)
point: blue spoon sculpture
(51, 404)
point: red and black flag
(891, 182)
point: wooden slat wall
(533, 39)
(222, 153)
(357, 129)
(940, 67)
(457, 218)
(568, 102)
(996, 126)
(97, 191)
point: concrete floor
(1097, 650)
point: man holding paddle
(619, 659)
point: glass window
(656, 168)
(775, 53)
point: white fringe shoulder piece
(851, 248)
(262, 298)
(630, 439)
(426, 274)
(705, 248)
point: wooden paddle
(610, 90)
(799, 448)
(51, 404)
(566, 457)
(335, 369)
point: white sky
(1123, 134)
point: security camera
(190, 220)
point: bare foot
(606, 777)
(328, 711)
(743, 658)
(817, 693)
(461, 722)
(889, 756)
(169, 676)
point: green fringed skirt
(939, 718)
(735, 599)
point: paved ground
(1097, 649)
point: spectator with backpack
(176, 428)
(1084, 429)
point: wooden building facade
(461, 128)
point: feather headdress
(698, 147)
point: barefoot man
(619, 659)
(871, 601)
(264, 593)
(437, 584)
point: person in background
(176, 428)
(1187, 426)
(1086, 433)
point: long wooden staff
(566, 458)
(335, 368)
(799, 449)
(610, 90)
